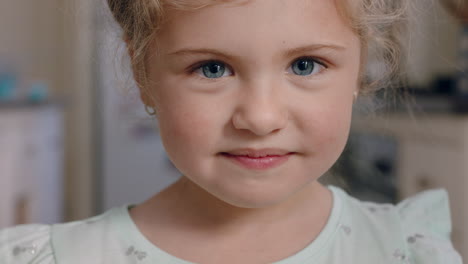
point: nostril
(260, 124)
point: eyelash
(199, 65)
(313, 59)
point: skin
(259, 102)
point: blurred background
(75, 139)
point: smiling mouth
(256, 153)
(253, 156)
(258, 162)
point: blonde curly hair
(380, 24)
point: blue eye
(213, 70)
(305, 66)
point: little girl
(254, 101)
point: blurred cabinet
(31, 164)
(432, 152)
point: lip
(258, 153)
(262, 159)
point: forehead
(255, 23)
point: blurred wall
(433, 42)
(52, 40)
(79, 89)
(31, 39)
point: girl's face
(276, 74)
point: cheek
(179, 136)
(336, 133)
(184, 129)
(329, 129)
(180, 120)
(188, 134)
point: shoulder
(92, 240)
(416, 230)
(426, 223)
(71, 242)
(427, 211)
(26, 244)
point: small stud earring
(355, 95)
(150, 110)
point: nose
(260, 111)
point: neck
(191, 206)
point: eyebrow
(194, 51)
(314, 47)
(287, 53)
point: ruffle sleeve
(426, 223)
(26, 244)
